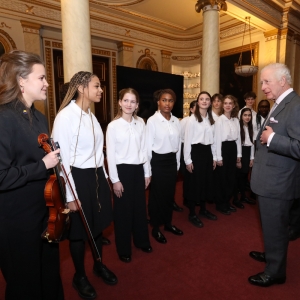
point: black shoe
(223, 211)
(195, 221)
(231, 208)
(208, 215)
(238, 204)
(293, 235)
(102, 271)
(259, 256)
(83, 287)
(105, 241)
(176, 207)
(146, 249)
(249, 201)
(264, 280)
(159, 237)
(125, 258)
(173, 229)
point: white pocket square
(272, 120)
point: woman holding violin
(30, 265)
(80, 137)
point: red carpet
(205, 263)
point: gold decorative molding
(30, 27)
(3, 25)
(125, 46)
(114, 83)
(29, 10)
(147, 62)
(7, 42)
(271, 35)
(116, 3)
(186, 58)
(166, 54)
(101, 52)
(204, 4)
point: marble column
(125, 54)
(76, 35)
(210, 65)
(32, 42)
(166, 61)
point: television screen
(146, 82)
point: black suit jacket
(276, 169)
(23, 174)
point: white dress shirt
(73, 130)
(125, 144)
(248, 142)
(183, 123)
(163, 136)
(279, 99)
(198, 133)
(254, 124)
(227, 130)
(215, 116)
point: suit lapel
(278, 109)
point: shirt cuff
(270, 139)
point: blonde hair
(122, 93)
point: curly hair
(235, 110)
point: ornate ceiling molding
(239, 29)
(186, 58)
(116, 2)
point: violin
(49, 146)
(55, 197)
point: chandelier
(246, 70)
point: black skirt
(162, 188)
(86, 187)
(200, 182)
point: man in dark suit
(276, 172)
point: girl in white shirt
(163, 146)
(200, 158)
(129, 172)
(217, 103)
(246, 130)
(228, 147)
(182, 169)
(80, 137)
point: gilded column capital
(166, 54)
(125, 46)
(30, 27)
(221, 4)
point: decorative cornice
(186, 58)
(210, 4)
(272, 35)
(116, 2)
(125, 46)
(165, 54)
(232, 31)
(30, 27)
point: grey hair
(281, 70)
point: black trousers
(199, 183)
(295, 216)
(226, 175)
(30, 265)
(274, 215)
(162, 188)
(130, 215)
